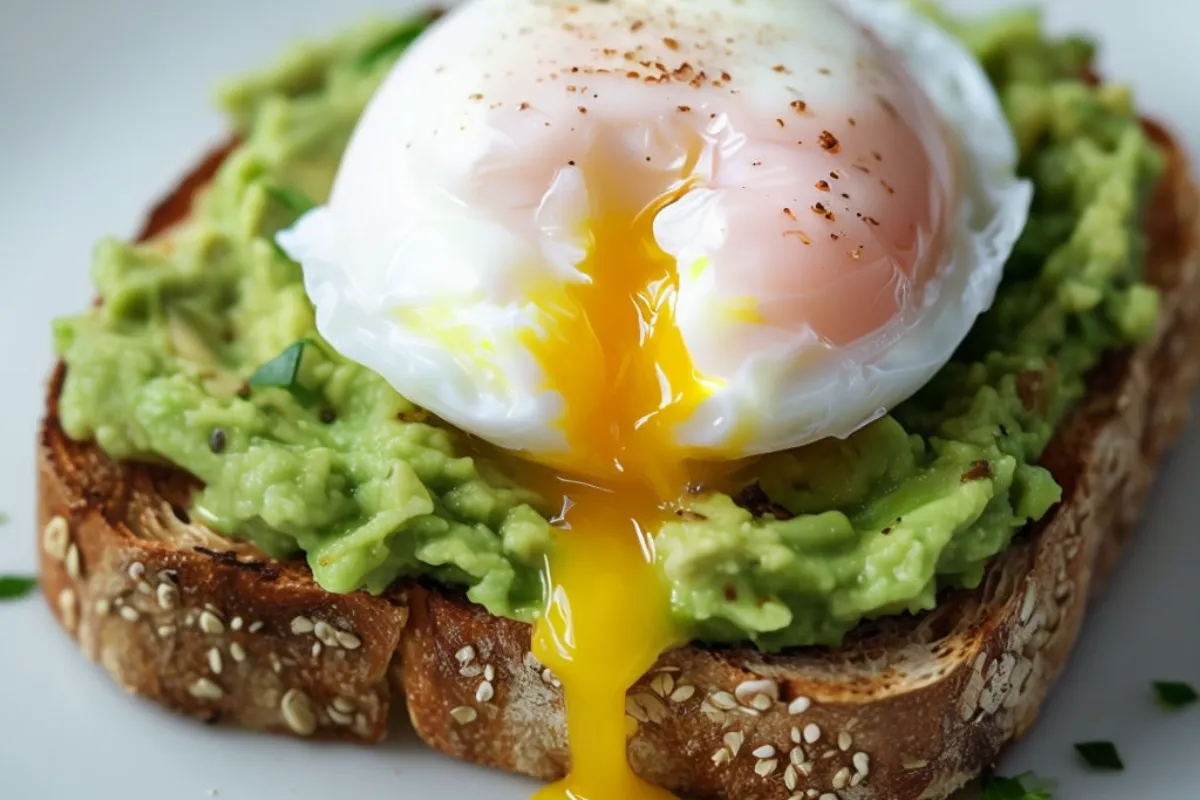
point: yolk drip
(621, 365)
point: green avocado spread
(204, 354)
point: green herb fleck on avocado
(14, 587)
(292, 200)
(1100, 756)
(391, 47)
(282, 372)
(1174, 696)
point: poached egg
(625, 239)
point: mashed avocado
(204, 354)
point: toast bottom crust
(909, 709)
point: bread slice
(909, 708)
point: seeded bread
(908, 709)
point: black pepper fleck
(218, 440)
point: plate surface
(102, 104)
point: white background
(104, 102)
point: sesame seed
(472, 671)
(862, 763)
(761, 702)
(146, 589)
(464, 715)
(806, 767)
(325, 633)
(276, 664)
(683, 693)
(74, 570)
(56, 538)
(205, 689)
(236, 624)
(733, 740)
(489, 673)
(765, 751)
(799, 706)
(316, 650)
(166, 631)
(211, 623)
(857, 778)
(255, 627)
(549, 677)
(343, 705)
(137, 570)
(348, 640)
(215, 663)
(663, 685)
(465, 655)
(103, 607)
(721, 757)
(794, 735)
(168, 596)
(842, 779)
(340, 718)
(797, 756)
(237, 652)
(790, 778)
(68, 608)
(811, 733)
(485, 692)
(715, 715)
(828, 796)
(130, 614)
(766, 768)
(302, 625)
(298, 712)
(167, 575)
(844, 741)
(724, 700)
(829, 754)
(189, 619)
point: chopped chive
(1174, 696)
(296, 202)
(1022, 787)
(14, 587)
(279, 251)
(282, 372)
(392, 46)
(1100, 755)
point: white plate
(102, 104)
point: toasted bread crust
(908, 709)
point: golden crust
(908, 709)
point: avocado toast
(1000, 644)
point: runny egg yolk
(620, 363)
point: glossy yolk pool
(621, 366)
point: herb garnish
(1100, 755)
(1174, 696)
(14, 587)
(282, 372)
(1022, 787)
(397, 43)
(296, 202)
